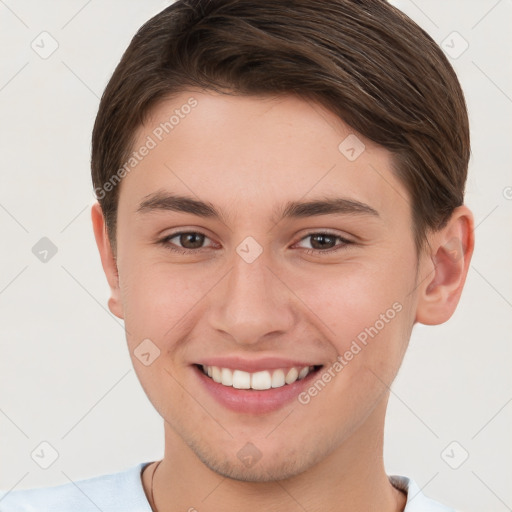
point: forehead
(246, 153)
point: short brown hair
(364, 60)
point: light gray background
(65, 373)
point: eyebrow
(163, 201)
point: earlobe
(445, 268)
(108, 260)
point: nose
(252, 303)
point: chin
(269, 468)
(259, 473)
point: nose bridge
(252, 302)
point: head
(221, 120)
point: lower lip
(251, 400)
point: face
(256, 242)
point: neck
(351, 477)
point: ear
(444, 268)
(108, 260)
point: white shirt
(123, 492)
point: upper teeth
(265, 379)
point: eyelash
(345, 242)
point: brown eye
(322, 241)
(191, 240)
(325, 243)
(185, 242)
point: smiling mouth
(261, 380)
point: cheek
(365, 312)
(157, 298)
(354, 299)
(368, 319)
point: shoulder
(113, 492)
(416, 500)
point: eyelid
(343, 241)
(319, 231)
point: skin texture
(247, 156)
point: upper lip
(255, 365)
